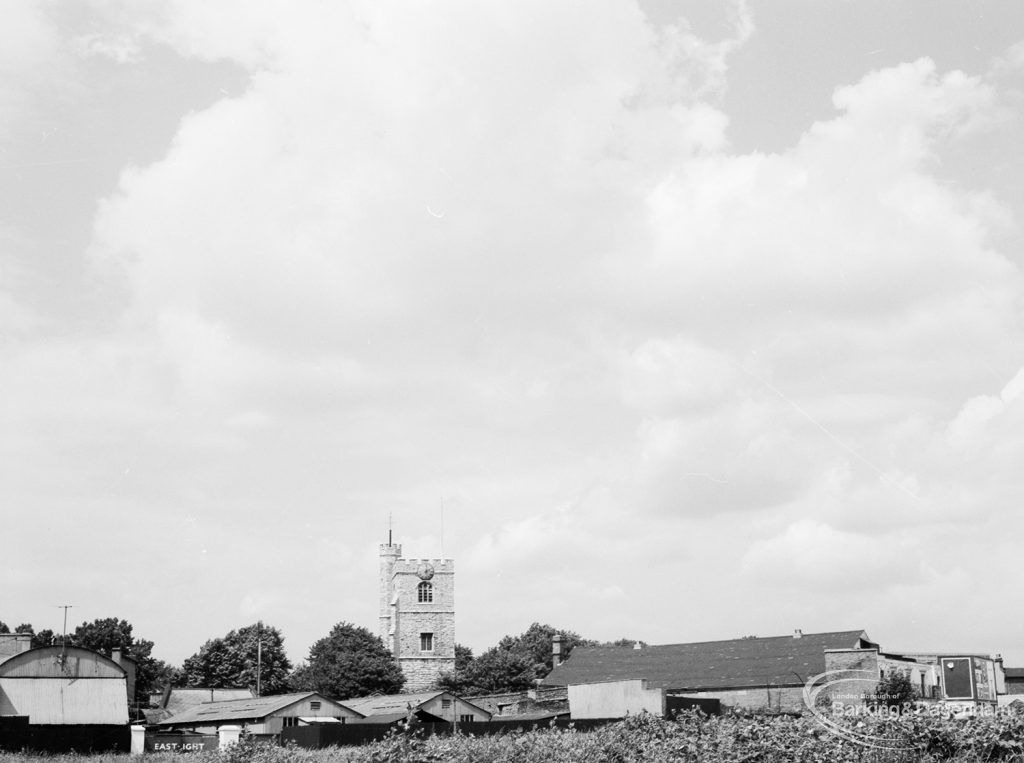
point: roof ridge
(722, 641)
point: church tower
(417, 615)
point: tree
(458, 680)
(463, 657)
(242, 659)
(515, 664)
(104, 635)
(894, 690)
(43, 638)
(535, 645)
(350, 661)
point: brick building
(417, 615)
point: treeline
(349, 661)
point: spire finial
(389, 528)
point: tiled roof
(238, 709)
(737, 663)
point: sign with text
(178, 742)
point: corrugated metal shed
(53, 685)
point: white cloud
(506, 256)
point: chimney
(14, 643)
(798, 633)
(556, 650)
(122, 658)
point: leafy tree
(500, 670)
(535, 645)
(104, 635)
(45, 637)
(894, 690)
(463, 657)
(231, 661)
(515, 664)
(350, 661)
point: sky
(667, 320)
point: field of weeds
(691, 737)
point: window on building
(446, 704)
(425, 592)
(288, 722)
(426, 642)
(466, 718)
(314, 705)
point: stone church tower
(417, 615)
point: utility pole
(259, 655)
(64, 633)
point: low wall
(615, 699)
(785, 699)
(179, 741)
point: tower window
(426, 642)
(425, 592)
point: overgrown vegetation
(691, 737)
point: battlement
(411, 566)
(417, 614)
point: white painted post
(138, 740)
(228, 735)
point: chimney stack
(556, 650)
(798, 633)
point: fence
(17, 734)
(706, 705)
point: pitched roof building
(174, 701)
(426, 706)
(741, 663)
(260, 715)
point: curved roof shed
(64, 686)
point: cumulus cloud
(508, 256)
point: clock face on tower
(425, 571)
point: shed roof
(241, 709)
(178, 700)
(387, 704)
(735, 663)
(387, 718)
(1015, 673)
